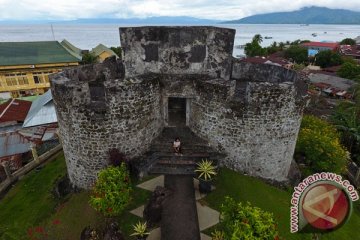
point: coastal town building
(272, 60)
(25, 66)
(101, 52)
(13, 112)
(316, 47)
(350, 51)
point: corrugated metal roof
(13, 143)
(102, 48)
(14, 110)
(42, 111)
(22, 53)
(76, 52)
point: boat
(266, 37)
(314, 35)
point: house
(13, 147)
(25, 66)
(101, 52)
(75, 51)
(330, 85)
(350, 51)
(316, 47)
(13, 112)
(272, 60)
(42, 112)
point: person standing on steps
(177, 146)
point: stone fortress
(251, 113)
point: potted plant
(140, 231)
(206, 171)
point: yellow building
(101, 52)
(25, 66)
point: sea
(87, 36)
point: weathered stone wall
(250, 112)
(99, 110)
(255, 122)
(178, 50)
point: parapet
(178, 50)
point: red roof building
(321, 46)
(14, 111)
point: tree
(297, 53)
(346, 119)
(350, 71)
(118, 51)
(348, 41)
(254, 49)
(319, 143)
(242, 222)
(88, 58)
(111, 193)
(328, 58)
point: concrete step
(175, 170)
(176, 162)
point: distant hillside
(308, 15)
(151, 20)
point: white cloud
(223, 9)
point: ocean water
(87, 36)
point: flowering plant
(111, 192)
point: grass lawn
(30, 201)
(269, 198)
(29, 208)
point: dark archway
(177, 111)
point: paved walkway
(179, 216)
(207, 217)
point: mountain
(307, 15)
(151, 20)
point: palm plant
(140, 230)
(206, 169)
(217, 235)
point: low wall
(48, 156)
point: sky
(209, 9)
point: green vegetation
(206, 170)
(253, 48)
(350, 71)
(346, 119)
(140, 229)
(348, 41)
(118, 51)
(297, 53)
(30, 209)
(328, 59)
(88, 58)
(30, 201)
(319, 144)
(271, 199)
(242, 221)
(111, 193)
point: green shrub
(242, 221)
(111, 192)
(319, 143)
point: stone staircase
(161, 158)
